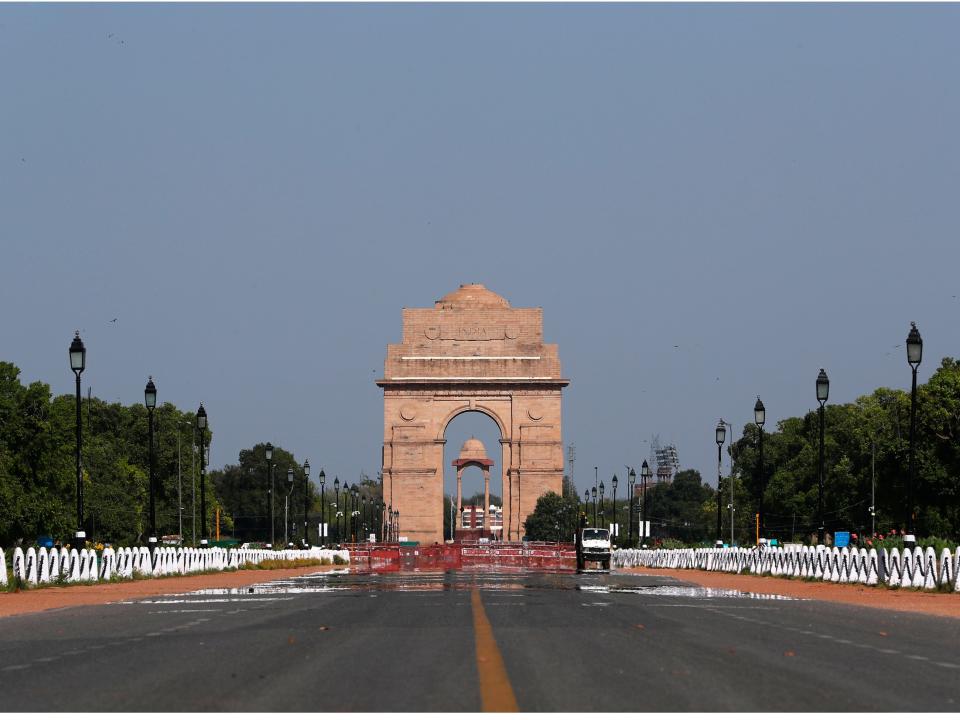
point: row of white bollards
(40, 566)
(917, 568)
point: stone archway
(470, 352)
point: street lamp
(336, 517)
(286, 508)
(914, 356)
(268, 455)
(760, 417)
(631, 482)
(78, 361)
(150, 400)
(202, 429)
(354, 515)
(593, 493)
(721, 436)
(823, 392)
(323, 508)
(363, 516)
(616, 530)
(601, 504)
(645, 475)
(306, 488)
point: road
(464, 641)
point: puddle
(681, 591)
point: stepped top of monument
(472, 335)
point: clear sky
(709, 202)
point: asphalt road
(467, 641)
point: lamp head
(150, 394)
(823, 387)
(914, 345)
(759, 413)
(78, 354)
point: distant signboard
(841, 539)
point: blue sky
(709, 202)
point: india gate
(470, 352)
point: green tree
(554, 516)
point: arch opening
(473, 483)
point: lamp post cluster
(593, 502)
(914, 346)
(78, 363)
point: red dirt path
(29, 601)
(932, 603)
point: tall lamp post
(601, 505)
(286, 508)
(323, 510)
(356, 512)
(616, 530)
(150, 400)
(645, 475)
(202, 429)
(593, 493)
(78, 361)
(336, 504)
(823, 392)
(760, 417)
(914, 356)
(631, 482)
(268, 456)
(721, 436)
(306, 489)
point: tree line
(866, 466)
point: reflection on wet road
(487, 579)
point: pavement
(480, 639)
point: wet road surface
(470, 640)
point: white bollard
(31, 559)
(873, 575)
(894, 568)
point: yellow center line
(496, 693)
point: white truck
(594, 549)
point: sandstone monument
(470, 352)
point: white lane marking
(842, 641)
(96, 647)
(73, 652)
(45, 659)
(153, 634)
(16, 667)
